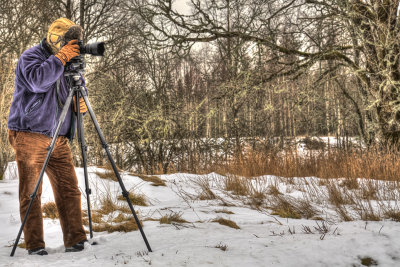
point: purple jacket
(35, 106)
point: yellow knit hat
(56, 33)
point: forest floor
(216, 220)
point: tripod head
(74, 68)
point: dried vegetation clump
(226, 222)
(111, 216)
(205, 189)
(288, 207)
(50, 210)
(172, 217)
(154, 180)
(224, 211)
(108, 173)
(126, 226)
(136, 199)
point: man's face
(56, 41)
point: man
(40, 91)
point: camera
(95, 49)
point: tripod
(76, 68)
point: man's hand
(68, 51)
(82, 105)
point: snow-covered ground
(262, 240)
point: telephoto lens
(95, 49)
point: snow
(263, 240)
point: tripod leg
(82, 142)
(105, 146)
(51, 148)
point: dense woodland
(178, 86)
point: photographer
(40, 91)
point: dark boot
(37, 251)
(77, 247)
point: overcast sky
(181, 6)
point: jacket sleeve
(40, 74)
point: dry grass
(337, 196)
(375, 163)
(108, 172)
(348, 182)
(351, 183)
(273, 190)
(237, 185)
(393, 215)
(96, 217)
(136, 199)
(108, 205)
(120, 218)
(155, 180)
(351, 198)
(224, 211)
(108, 175)
(109, 167)
(206, 193)
(285, 208)
(50, 210)
(366, 212)
(172, 217)
(104, 218)
(340, 186)
(369, 191)
(127, 226)
(257, 199)
(226, 222)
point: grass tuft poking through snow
(155, 180)
(226, 222)
(108, 205)
(107, 174)
(50, 210)
(172, 217)
(136, 199)
(127, 226)
(238, 185)
(206, 193)
(224, 211)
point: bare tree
(367, 43)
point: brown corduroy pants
(31, 151)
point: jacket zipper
(35, 104)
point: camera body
(94, 49)
(77, 64)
